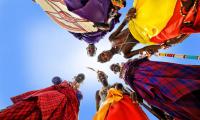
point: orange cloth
(175, 25)
(119, 107)
(125, 109)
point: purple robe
(93, 10)
(173, 88)
(90, 38)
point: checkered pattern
(55, 102)
(162, 84)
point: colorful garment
(90, 38)
(173, 88)
(119, 107)
(151, 17)
(170, 20)
(93, 10)
(76, 17)
(58, 102)
(96, 11)
(180, 23)
(59, 12)
(119, 3)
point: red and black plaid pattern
(164, 85)
(57, 102)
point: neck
(114, 50)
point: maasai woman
(58, 102)
(87, 20)
(162, 22)
(173, 88)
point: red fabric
(194, 16)
(125, 109)
(58, 102)
(176, 26)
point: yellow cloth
(151, 17)
(113, 96)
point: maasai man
(87, 20)
(173, 88)
(102, 93)
(114, 102)
(172, 21)
(58, 102)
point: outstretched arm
(154, 48)
(131, 14)
(119, 29)
(177, 40)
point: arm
(154, 48)
(131, 14)
(132, 53)
(176, 40)
(119, 29)
(97, 98)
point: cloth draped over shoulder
(160, 20)
(151, 17)
(181, 22)
(112, 96)
(55, 102)
(59, 13)
(119, 107)
(174, 88)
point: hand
(150, 50)
(131, 14)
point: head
(78, 80)
(91, 50)
(105, 56)
(115, 68)
(102, 77)
(56, 80)
(119, 86)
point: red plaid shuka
(174, 88)
(58, 102)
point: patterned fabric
(119, 3)
(59, 12)
(55, 102)
(165, 85)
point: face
(115, 68)
(91, 50)
(103, 78)
(104, 56)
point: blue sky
(33, 49)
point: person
(171, 24)
(60, 101)
(173, 88)
(113, 102)
(119, 106)
(76, 17)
